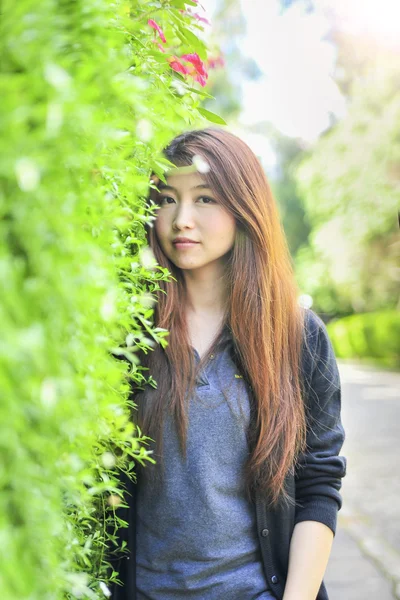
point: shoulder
(317, 349)
(315, 333)
(313, 324)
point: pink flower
(155, 26)
(197, 70)
(215, 62)
(177, 66)
(201, 19)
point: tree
(350, 185)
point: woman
(243, 499)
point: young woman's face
(193, 229)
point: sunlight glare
(379, 19)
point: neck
(206, 290)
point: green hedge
(88, 99)
(374, 336)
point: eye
(162, 200)
(206, 200)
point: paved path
(365, 559)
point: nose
(183, 216)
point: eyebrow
(203, 186)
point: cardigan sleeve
(320, 469)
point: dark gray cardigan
(315, 484)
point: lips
(182, 241)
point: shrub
(88, 101)
(374, 336)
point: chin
(188, 267)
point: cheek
(161, 226)
(225, 227)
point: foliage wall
(91, 91)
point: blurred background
(313, 86)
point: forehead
(185, 181)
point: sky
(296, 91)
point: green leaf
(181, 3)
(210, 116)
(200, 93)
(194, 43)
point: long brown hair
(264, 316)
